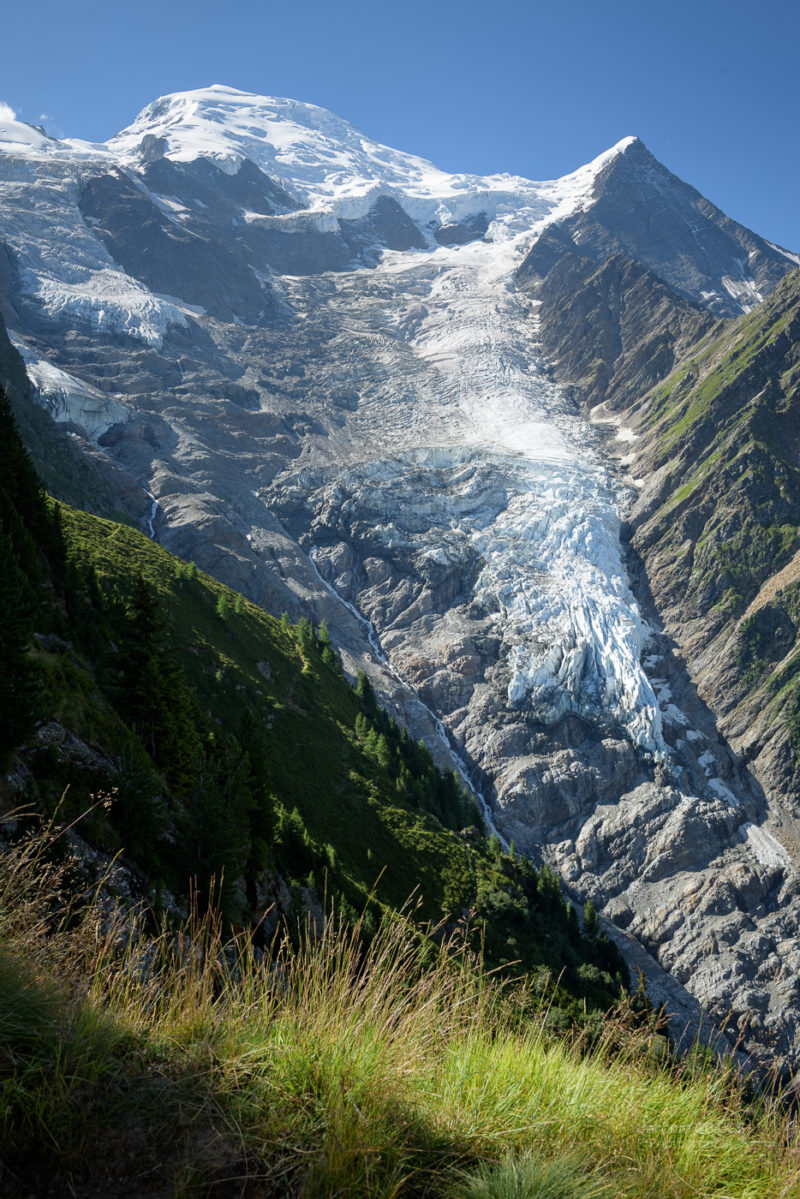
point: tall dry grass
(326, 1068)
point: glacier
(552, 562)
(385, 446)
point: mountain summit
(358, 389)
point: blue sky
(532, 88)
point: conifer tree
(382, 752)
(366, 695)
(18, 680)
(153, 696)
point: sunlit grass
(335, 1069)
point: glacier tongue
(554, 561)
(551, 558)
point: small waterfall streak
(151, 531)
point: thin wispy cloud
(48, 122)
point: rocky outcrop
(644, 212)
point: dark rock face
(9, 283)
(168, 257)
(387, 224)
(13, 375)
(645, 212)
(209, 237)
(611, 330)
(207, 190)
(462, 232)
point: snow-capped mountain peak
(328, 163)
(16, 135)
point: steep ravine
(710, 454)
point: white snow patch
(70, 400)
(786, 253)
(719, 788)
(743, 290)
(765, 848)
(111, 301)
(707, 761)
(16, 135)
(674, 715)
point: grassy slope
(315, 762)
(330, 1073)
(724, 430)
(364, 836)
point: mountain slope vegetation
(142, 1066)
(718, 532)
(236, 758)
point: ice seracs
(70, 400)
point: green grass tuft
(330, 1069)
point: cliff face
(611, 330)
